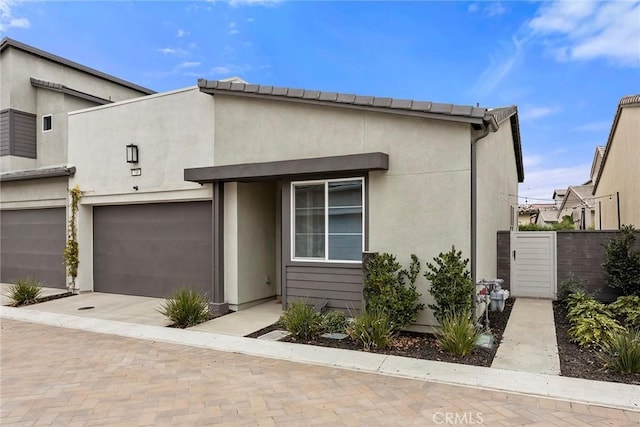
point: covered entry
(152, 249)
(32, 244)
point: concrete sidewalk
(612, 395)
(529, 341)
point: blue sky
(564, 64)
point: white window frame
(326, 220)
(51, 128)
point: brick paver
(57, 376)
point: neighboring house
(616, 189)
(579, 204)
(248, 192)
(558, 197)
(540, 213)
(37, 90)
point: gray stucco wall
(420, 205)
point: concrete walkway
(529, 341)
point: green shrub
(626, 309)
(301, 320)
(186, 307)
(451, 284)
(389, 289)
(588, 307)
(622, 352)
(372, 328)
(594, 330)
(623, 262)
(458, 334)
(577, 298)
(569, 286)
(334, 321)
(25, 291)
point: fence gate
(533, 264)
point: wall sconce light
(132, 153)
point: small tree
(389, 289)
(623, 262)
(451, 284)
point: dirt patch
(45, 299)
(418, 345)
(579, 362)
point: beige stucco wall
(497, 194)
(173, 131)
(38, 193)
(621, 173)
(420, 205)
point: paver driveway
(57, 376)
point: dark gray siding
(4, 133)
(18, 134)
(152, 249)
(579, 253)
(341, 286)
(504, 258)
(31, 245)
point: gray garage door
(152, 249)
(31, 245)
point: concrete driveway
(144, 311)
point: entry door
(533, 264)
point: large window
(327, 220)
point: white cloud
(588, 30)
(529, 112)
(173, 51)
(500, 66)
(220, 70)
(540, 182)
(494, 9)
(593, 127)
(531, 161)
(7, 20)
(233, 28)
(236, 3)
(490, 9)
(188, 64)
(182, 33)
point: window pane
(345, 247)
(309, 226)
(345, 193)
(345, 220)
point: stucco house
(37, 90)
(616, 187)
(248, 192)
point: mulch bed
(579, 362)
(45, 299)
(418, 345)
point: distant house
(543, 214)
(617, 187)
(558, 197)
(578, 203)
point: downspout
(489, 125)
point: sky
(565, 64)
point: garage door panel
(31, 245)
(152, 249)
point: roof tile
(382, 102)
(404, 104)
(364, 100)
(279, 91)
(311, 94)
(265, 90)
(461, 110)
(437, 107)
(251, 88)
(328, 96)
(224, 85)
(346, 98)
(239, 87)
(295, 93)
(421, 106)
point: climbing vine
(71, 253)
